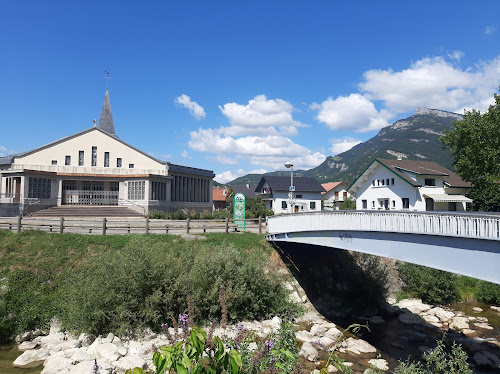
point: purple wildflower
(95, 368)
(183, 319)
(269, 344)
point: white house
(336, 193)
(409, 185)
(274, 191)
(96, 167)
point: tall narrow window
(312, 205)
(118, 162)
(67, 160)
(406, 203)
(283, 205)
(365, 204)
(106, 159)
(94, 156)
(80, 158)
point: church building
(95, 167)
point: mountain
(413, 138)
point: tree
(475, 144)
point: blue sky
(239, 87)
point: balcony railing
(81, 197)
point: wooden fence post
(227, 225)
(147, 225)
(187, 225)
(260, 225)
(19, 224)
(104, 226)
(61, 225)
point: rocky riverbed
(62, 353)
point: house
(409, 185)
(336, 193)
(96, 167)
(246, 189)
(220, 196)
(274, 191)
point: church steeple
(106, 118)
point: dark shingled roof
(302, 184)
(106, 118)
(247, 191)
(424, 168)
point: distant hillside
(413, 138)
(254, 179)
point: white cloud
(229, 176)
(456, 55)
(270, 151)
(185, 154)
(3, 151)
(343, 145)
(433, 83)
(489, 30)
(260, 117)
(194, 108)
(353, 112)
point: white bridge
(462, 243)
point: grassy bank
(122, 284)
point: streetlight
(289, 165)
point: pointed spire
(106, 118)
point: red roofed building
(336, 193)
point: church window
(67, 160)
(130, 166)
(136, 190)
(39, 188)
(118, 162)
(106, 159)
(94, 156)
(80, 158)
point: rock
(275, 323)
(31, 359)
(477, 309)
(294, 297)
(24, 346)
(193, 237)
(379, 363)
(304, 336)
(430, 318)
(376, 320)
(131, 362)
(493, 358)
(308, 351)
(109, 338)
(54, 364)
(107, 351)
(84, 367)
(410, 319)
(333, 333)
(326, 342)
(304, 299)
(62, 346)
(318, 330)
(86, 340)
(122, 351)
(483, 325)
(497, 308)
(482, 319)
(360, 345)
(443, 315)
(80, 355)
(332, 369)
(459, 323)
(24, 337)
(413, 305)
(469, 333)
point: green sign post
(239, 209)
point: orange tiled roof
(329, 186)
(219, 194)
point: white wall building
(409, 185)
(274, 191)
(336, 193)
(96, 167)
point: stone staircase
(108, 211)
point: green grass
(124, 283)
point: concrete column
(57, 189)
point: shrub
(488, 292)
(431, 285)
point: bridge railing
(449, 224)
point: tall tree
(475, 144)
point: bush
(488, 292)
(121, 284)
(431, 285)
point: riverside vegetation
(126, 284)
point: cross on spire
(107, 77)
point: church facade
(95, 167)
